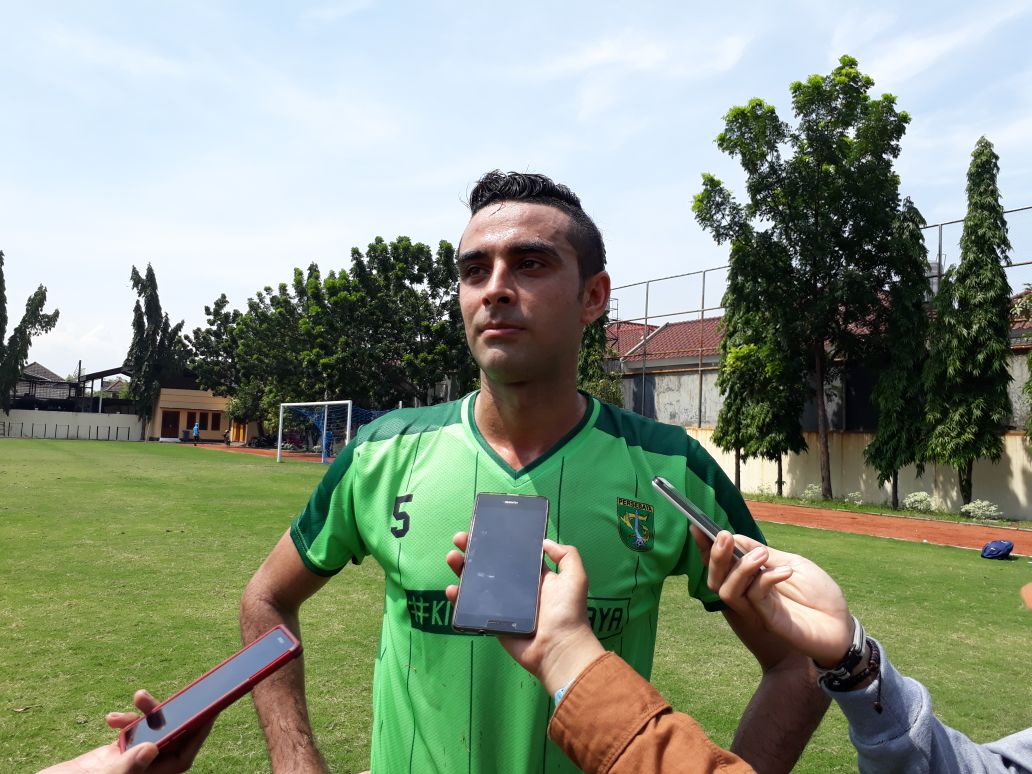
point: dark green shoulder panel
(310, 521)
(659, 438)
(636, 430)
(408, 421)
(702, 464)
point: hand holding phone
(212, 692)
(708, 527)
(563, 643)
(500, 583)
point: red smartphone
(213, 691)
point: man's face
(520, 292)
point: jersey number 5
(400, 515)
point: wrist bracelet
(845, 667)
(849, 683)
(561, 692)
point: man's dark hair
(496, 187)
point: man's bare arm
(788, 704)
(274, 596)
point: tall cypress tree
(592, 376)
(156, 351)
(15, 353)
(762, 368)
(967, 376)
(900, 395)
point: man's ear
(595, 297)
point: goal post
(317, 427)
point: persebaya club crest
(636, 524)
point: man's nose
(499, 288)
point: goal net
(314, 430)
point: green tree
(826, 192)
(213, 350)
(762, 369)
(967, 376)
(899, 396)
(1022, 312)
(271, 342)
(592, 376)
(391, 329)
(15, 354)
(156, 351)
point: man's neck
(522, 422)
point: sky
(227, 143)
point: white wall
(1007, 483)
(70, 424)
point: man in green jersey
(531, 276)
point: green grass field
(122, 565)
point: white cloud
(632, 52)
(628, 51)
(907, 56)
(102, 52)
(334, 120)
(857, 29)
(335, 11)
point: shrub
(981, 509)
(854, 497)
(765, 489)
(918, 501)
(812, 493)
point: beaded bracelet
(849, 683)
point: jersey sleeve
(326, 532)
(706, 484)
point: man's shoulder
(636, 430)
(408, 421)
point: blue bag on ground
(997, 549)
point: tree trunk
(738, 469)
(781, 479)
(895, 490)
(820, 362)
(964, 474)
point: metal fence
(15, 429)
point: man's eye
(531, 263)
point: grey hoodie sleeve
(906, 737)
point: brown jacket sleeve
(611, 720)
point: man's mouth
(500, 328)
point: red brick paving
(944, 533)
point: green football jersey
(450, 702)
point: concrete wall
(1007, 483)
(1018, 367)
(21, 423)
(673, 397)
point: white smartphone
(709, 527)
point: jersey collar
(563, 444)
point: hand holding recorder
(791, 596)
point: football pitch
(122, 565)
